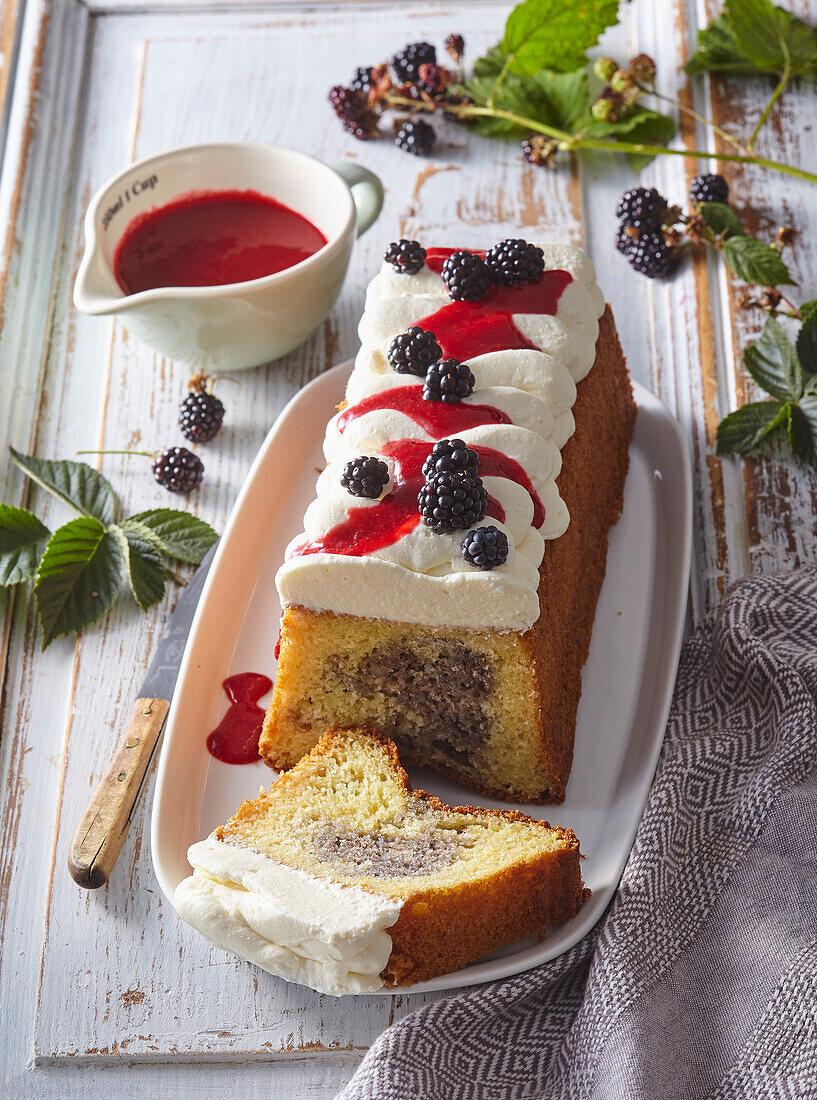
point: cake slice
(470, 663)
(344, 878)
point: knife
(104, 826)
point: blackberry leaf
(143, 555)
(742, 431)
(808, 310)
(75, 483)
(773, 363)
(721, 219)
(555, 34)
(22, 541)
(755, 262)
(78, 577)
(803, 429)
(180, 535)
(807, 346)
(755, 36)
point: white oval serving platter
(626, 685)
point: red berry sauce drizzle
(463, 330)
(235, 738)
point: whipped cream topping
(421, 576)
(300, 927)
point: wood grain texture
(111, 980)
(103, 827)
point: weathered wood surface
(93, 985)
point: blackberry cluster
(539, 150)
(178, 470)
(451, 501)
(416, 136)
(413, 351)
(406, 62)
(362, 80)
(642, 207)
(486, 547)
(365, 477)
(201, 414)
(640, 238)
(450, 456)
(708, 188)
(652, 256)
(514, 261)
(352, 108)
(466, 276)
(448, 381)
(406, 257)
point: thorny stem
(736, 143)
(776, 94)
(180, 581)
(571, 142)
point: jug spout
(96, 291)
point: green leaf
(180, 535)
(78, 577)
(772, 37)
(75, 483)
(742, 431)
(756, 262)
(719, 51)
(803, 429)
(22, 541)
(755, 36)
(773, 364)
(560, 100)
(721, 218)
(641, 126)
(146, 570)
(555, 34)
(808, 310)
(807, 346)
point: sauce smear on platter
(235, 738)
(212, 238)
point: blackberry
(178, 470)
(514, 261)
(450, 456)
(652, 256)
(433, 79)
(416, 137)
(641, 207)
(413, 351)
(539, 151)
(466, 276)
(406, 257)
(625, 239)
(406, 62)
(365, 477)
(448, 381)
(486, 547)
(708, 188)
(352, 108)
(201, 414)
(362, 80)
(451, 501)
(455, 46)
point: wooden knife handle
(102, 831)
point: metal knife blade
(163, 670)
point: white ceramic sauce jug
(239, 324)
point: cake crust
(555, 649)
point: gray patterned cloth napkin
(701, 979)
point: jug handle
(367, 193)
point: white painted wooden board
(121, 980)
